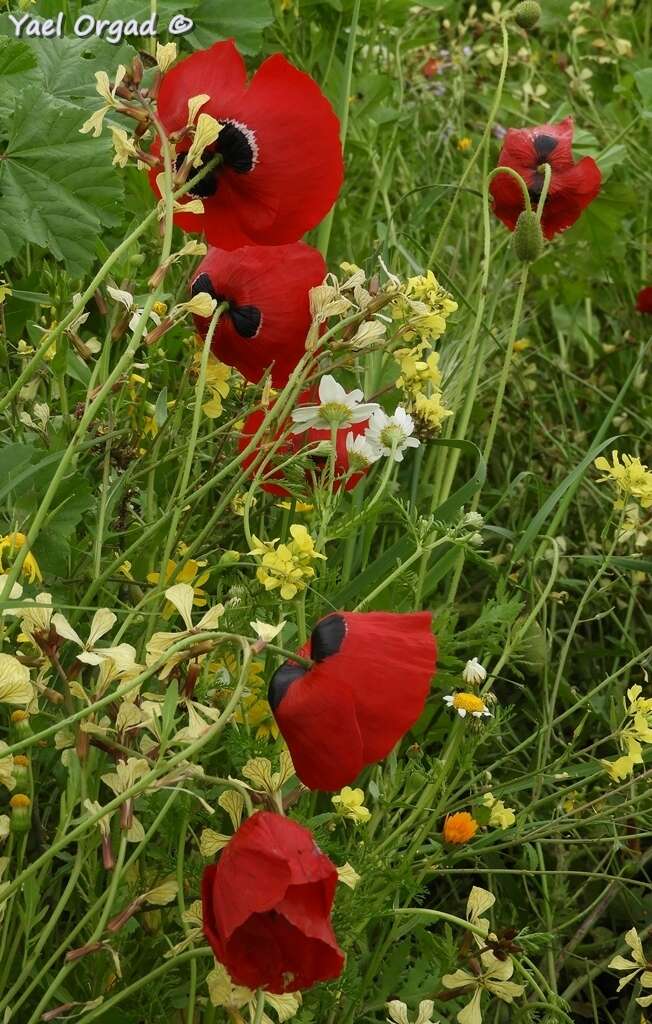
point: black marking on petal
(203, 283)
(536, 187)
(327, 637)
(207, 186)
(237, 145)
(246, 320)
(544, 146)
(281, 681)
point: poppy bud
(368, 685)
(527, 13)
(266, 907)
(528, 240)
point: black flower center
(325, 640)
(327, 637)
(237, 147)
(544, 147)
(246, 319)
(281, 681)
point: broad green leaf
(245, 20)
(643, 80)
(58, 188)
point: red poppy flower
(572, 185)
(296, 442)
(268, 316)
(431, 68)
(281, 165)
(266, 907)
(367, 687)
(644, 300)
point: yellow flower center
(21, 760)
(20, 800)
(19, 716)
(468, 702)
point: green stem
(326, 226)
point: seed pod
(528, 240)
(527, 13)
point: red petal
(218, 72)
(269, 952)
(570, 193)
(299, 169)
(644, 300)
(267, 906)
(317, 717)
(300, 155)
(374, 686)
(277, 280)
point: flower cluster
(631, 478)
(633, 736)
(287, 568)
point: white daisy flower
(468, 703)
(336, 408)
(360, 451)
(391, 435)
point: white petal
(211, 619)
(103, 621)
(65, 630)
(125, 298)
(15, 687)
(181, 595)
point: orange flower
(459, 828)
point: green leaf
(220, 19)
(57, 187)
(643, 79)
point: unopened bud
(21, 812)
(528, 240)
(22, 773)
(527, 13)
(20, 726)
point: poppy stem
(304, 662)
(517, 177)
(260, 1006)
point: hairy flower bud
(528, 240)
(527, 13)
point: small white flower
(127, 300)
(360, 450)
(474, 673)
(398, 1012)
(474, 520)
(468, 704)
(336, 408)
(265, 631)
(391, 435)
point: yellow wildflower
(286, 567)
(464, 144)
(217, 375)
(423, 305)
(190, 573)
(11, 543)
(349, 803)
(631, 477)
(500, 816)
(253, 710)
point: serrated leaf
(56, 186)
